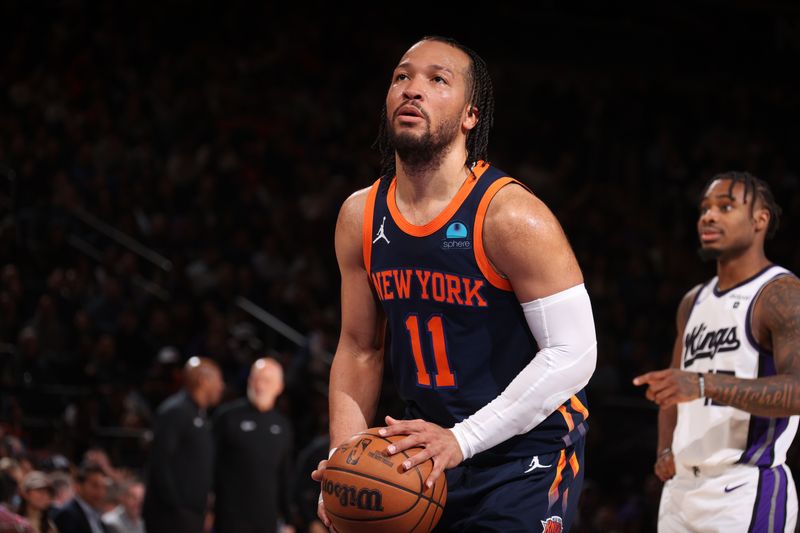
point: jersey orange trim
(576, 404)
(480, 252)
(366, 230)
(440, 220)
(567, 417)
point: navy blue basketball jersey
(458, 335)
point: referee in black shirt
(254, 444)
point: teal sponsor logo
(456, 237)
(456, 230)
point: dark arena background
(171, 173)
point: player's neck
(734, 270)
(416, 185)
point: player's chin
(710, 251)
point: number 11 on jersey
(444, 377)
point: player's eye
(439, 79)
(401, 76)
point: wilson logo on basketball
(358, 449)
(350, 496)
(552, 525)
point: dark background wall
(225, 137)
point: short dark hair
(756, 188)
(87, 469)
(480, 95)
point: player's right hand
(316, 475)
(665, 466)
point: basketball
(364, 490)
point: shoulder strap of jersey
(366, 231)
(485, 266)
(749, 330)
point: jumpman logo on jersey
(381, 234)
(535, 464)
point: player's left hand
(437, 442)
(670, 386)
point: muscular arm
(526, 244)
(776, 321)
(668, 416)
(358, 364)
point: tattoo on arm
(778, 309)
(773, 396)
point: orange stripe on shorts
(553, 493)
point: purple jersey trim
(763, 432)
(769, 510)
(718, 292)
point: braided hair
(757, 189)
(480, 95)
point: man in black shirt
(254, 444)
(180, 472)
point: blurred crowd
(37, 495)
(160, 165)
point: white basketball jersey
(718, 339)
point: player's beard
(709, 254)
(427, 151)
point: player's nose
(708, 220)
(413, 89)
(709, 216)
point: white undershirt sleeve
(563, 327)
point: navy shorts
(536, 494)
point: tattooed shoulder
(776, 317)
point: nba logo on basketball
(552, 525)
(358, 449)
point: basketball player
(471, 272)
(729, 403)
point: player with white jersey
(729, 402)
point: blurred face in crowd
(727, 228)
(132, 500)
(39, 499)
(427, 104)
(265, 383)
(204, 381)
(62, 489)
(93, 489)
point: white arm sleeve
(563, 327)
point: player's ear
(761, 218)
(471, 117)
